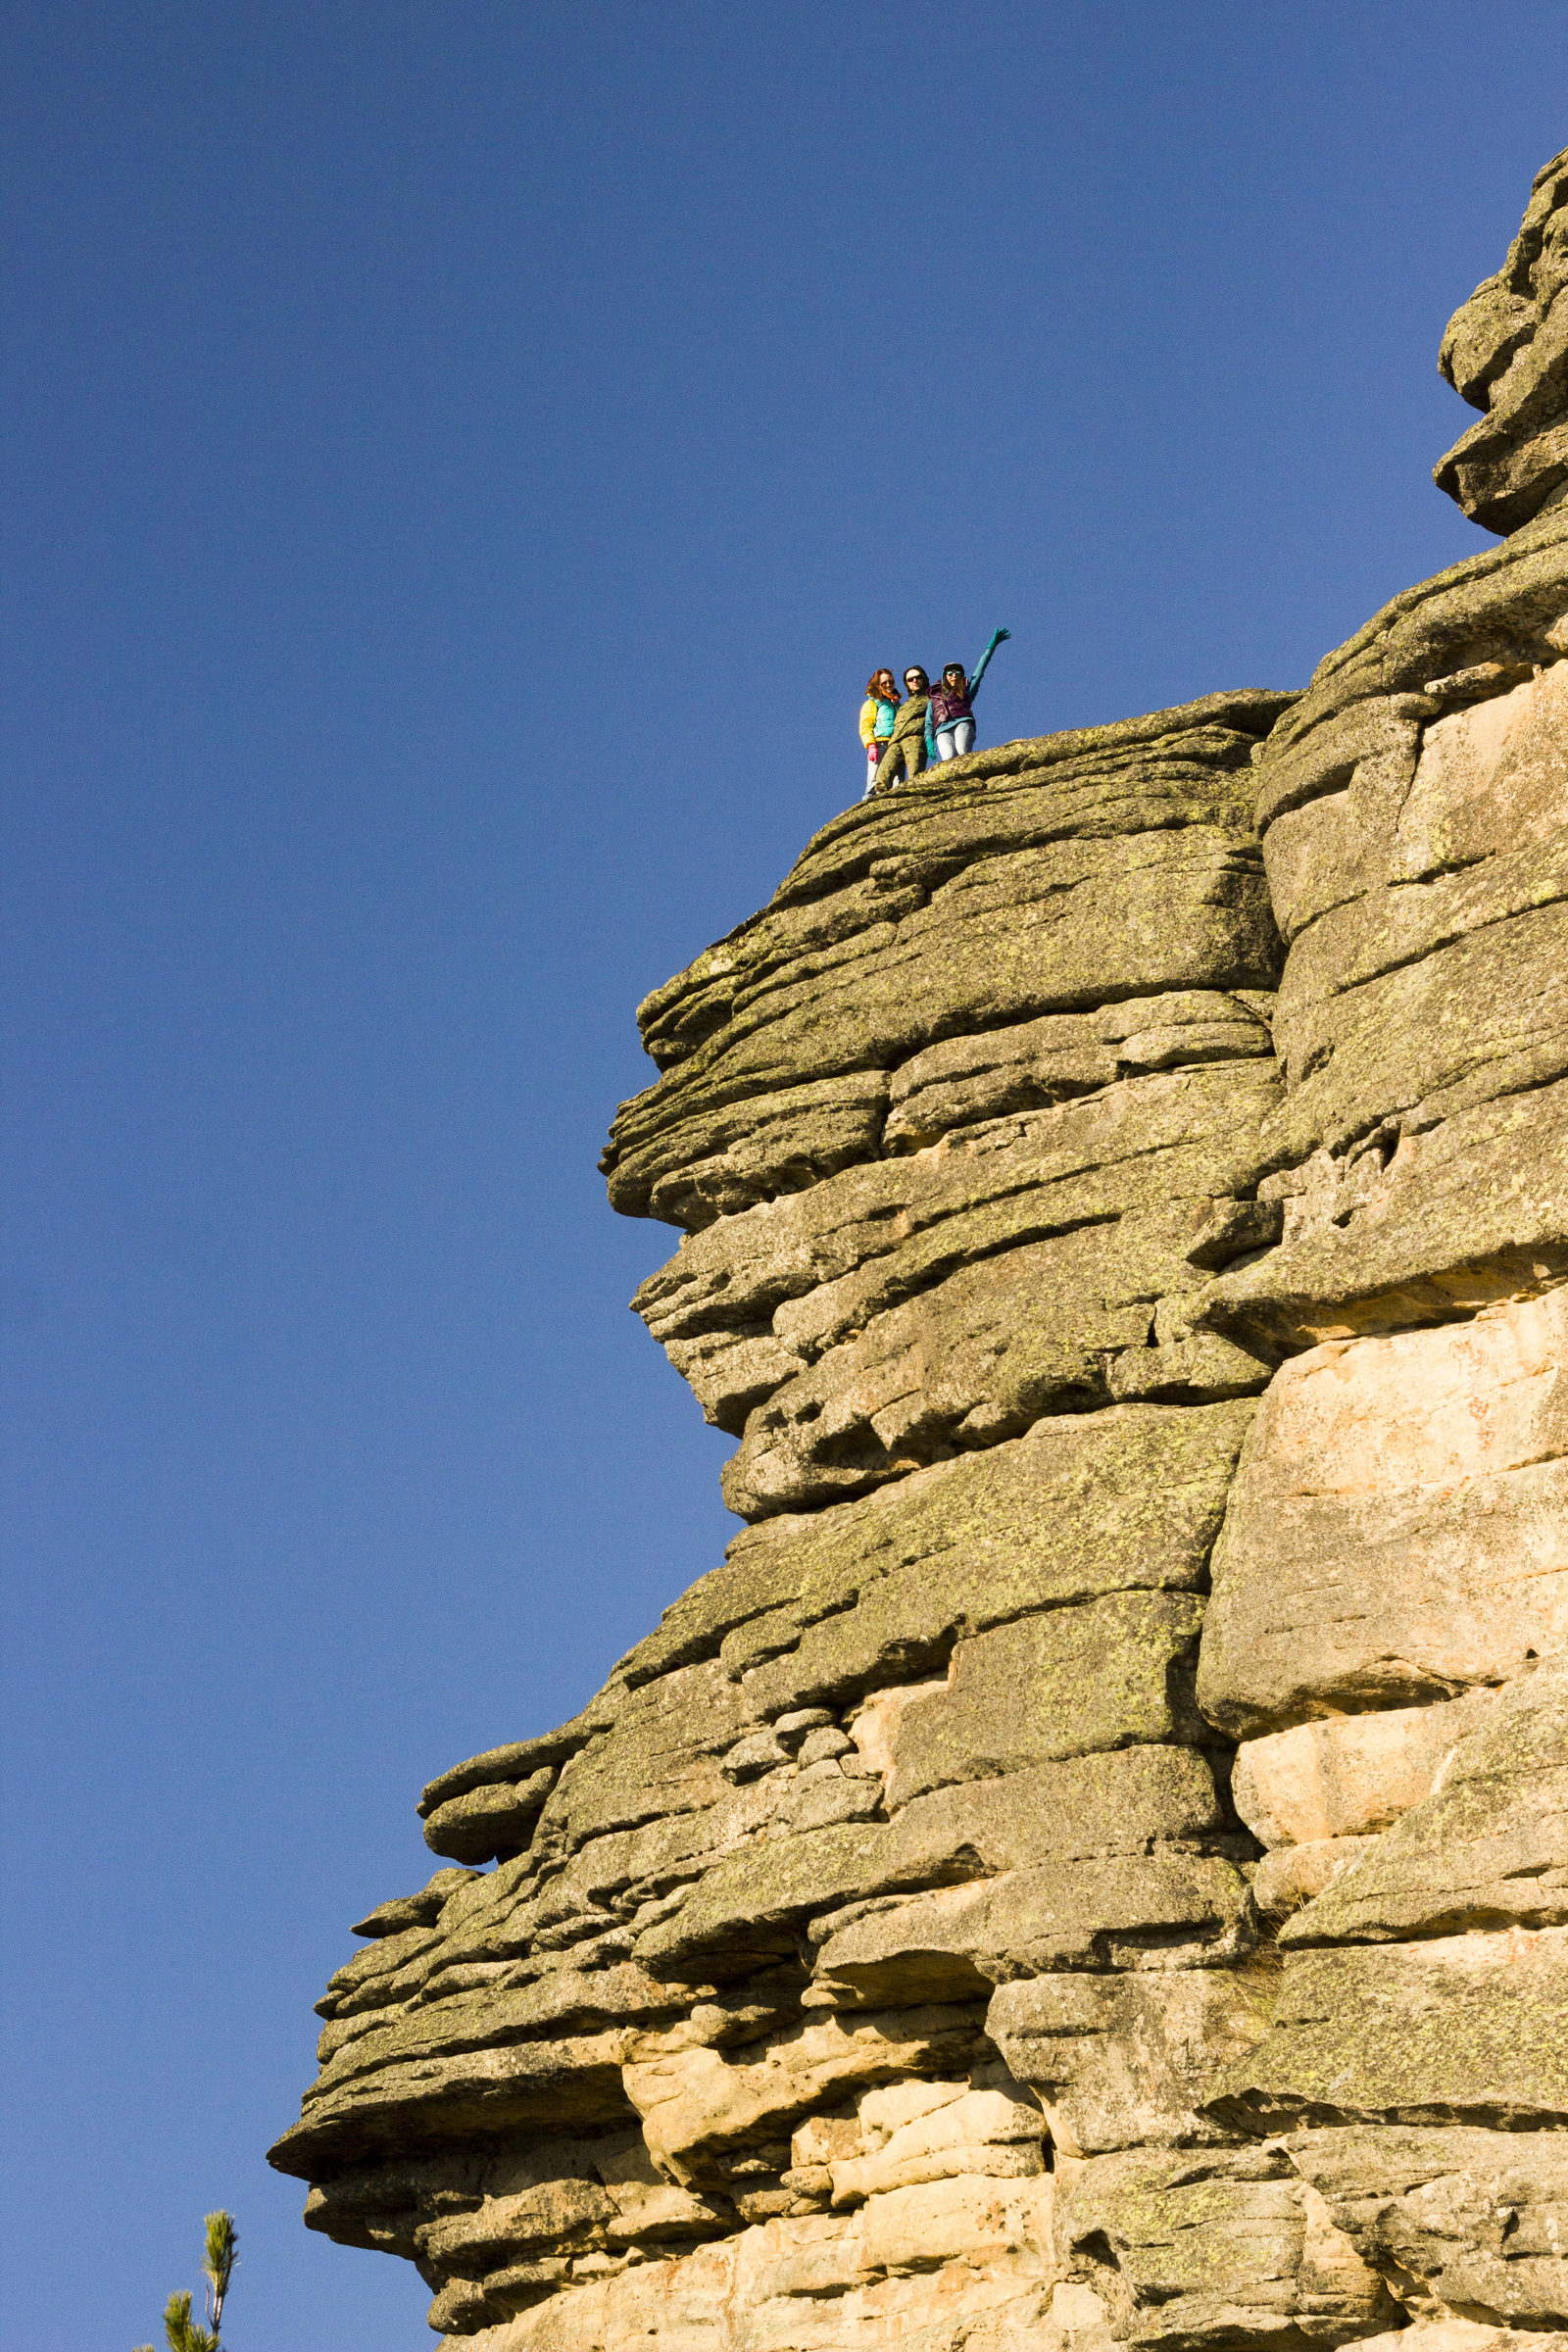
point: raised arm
(999, 637)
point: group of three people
(902, 738)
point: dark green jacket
(911, 720)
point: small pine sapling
(182, 2332)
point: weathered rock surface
(1090, 1867)
(1473, 2219)
(1506, 353)
(1414, 813)
(1197, 2246)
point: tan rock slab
(1123, 2059)
(696, 2103)
(1506, 351)
(1408, 1226)
(1131, 1150)
(495, 1819)
(1457, 2029)
(496, 2014)
(822, 2139)
(1148, 1909)
(469, 2244)
(1202, 2247)
(1462, 2336)
(1082, 1807)
(1486, 1848)
(660, 1757)
(1063, 1682)
(1415, 802)
(986, 2133)
(1489, 779)
(1349, 1775)
(725, 1159)
(1291, 1877)
(1197, 1369)
(753, 1902)
(1330, 806)
(938, 2264)
(1473, 2220)
(1398, 1526)
(1132, 1143)
(919, 2229)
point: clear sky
(463, 461)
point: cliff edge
(1090, 1867)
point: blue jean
(955, 741)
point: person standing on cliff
(904, 756)
(951, 703)
(878, 714)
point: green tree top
(183, 2333)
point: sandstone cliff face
(1090, 1866)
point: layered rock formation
(1090, 1867)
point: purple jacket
(946, 707)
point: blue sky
(463, 463)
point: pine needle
(222, 2252)
(182, 2332)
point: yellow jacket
(876, 721)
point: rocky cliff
(1090, 1867)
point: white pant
(952, 742)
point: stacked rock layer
(1090, 1866)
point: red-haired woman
(878, 714)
